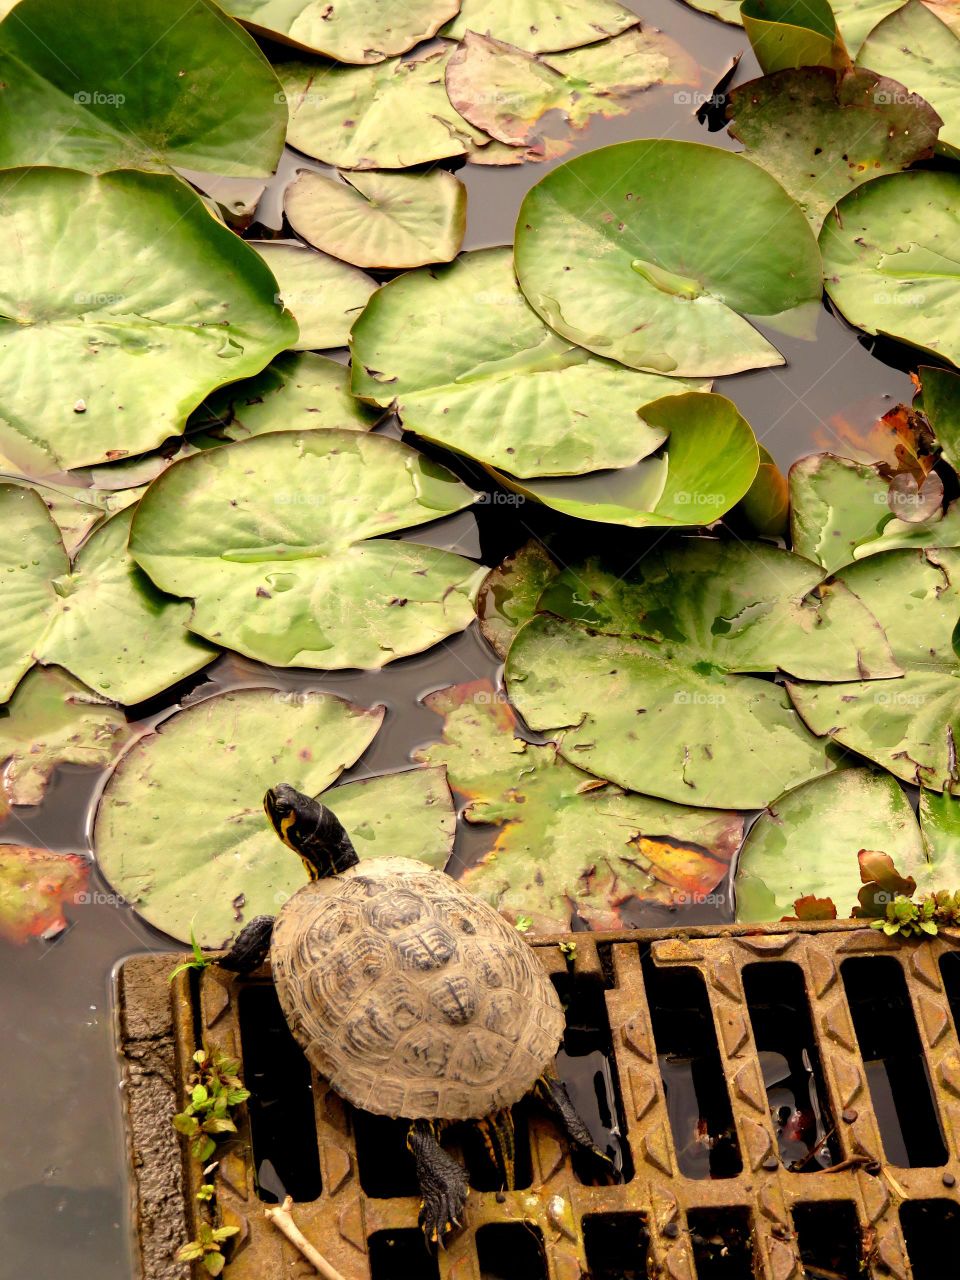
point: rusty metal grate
(659, 1223)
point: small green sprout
(198, 962)
(206, 1192)
(206, 1249)
(919, 917)
(523, 924)
(215, 1089)
(569, 951)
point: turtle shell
(412, 996)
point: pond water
(62, 1172)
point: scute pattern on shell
(410, 995)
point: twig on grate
(282, 1219)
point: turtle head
(311, 830)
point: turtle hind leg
(500, 1144)
(551, 1089)
(442, 1181)
(250, 947)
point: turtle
(414, 998)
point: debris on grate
(782, 1103)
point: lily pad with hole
(356, 31)
(652, 676)
(909, 725)
(914, 46)
(302, 392)
(540, 26)
(821, 133)
(35, 886)
(101, 619)
(620, 251)
(322, 294)
(807, 842)
(509, 594)
(51, 720)
(708, 464)
(890, 259)
(205, 853)
(135, 84)
(786, 34)
(281, 542)
(565, 842)
(105, 353)
(383, 220)
(507, 92)
(468, 364)
(389, 116)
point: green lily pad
(302, 392)
(383, 220)
(322, 294)
(890, 259)
(913, 46)
(541, 26)
(509, 593)
(389, 116)
(204, 851)
(766, 504)
(909, 725)
(940, 828)
(566, 843)
(35, 885)
(807, 842)
(821, 133)
(280, 542)
(941, 404)
(76, 510)
(468, 364)
(102, 620)
(408, 814)
(708, 464)
(357, 31)
(52, 719)
(135, 84)
(622, 274)
(104, 354)
(785, 34)
(856, 18)
(646, 674)
(506, 91)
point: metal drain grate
(883, 1046)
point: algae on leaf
(509, 593)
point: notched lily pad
(540, 26)
(567, 844)
(35, 885)
(358, 31)
(322, 294)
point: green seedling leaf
(357, 31)
(35, 885)
(540, 26)
(508, 595)
(323, 295)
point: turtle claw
(443, 1186)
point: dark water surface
(62, 1171)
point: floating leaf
(646, 674)
(540, 26)
(296, 392)
(103, 620)
(910, 725)
(323, 295)
(408, 814)
(52, 720)
(508, 595)
(468, 363)
(280, 542)
(358, 31)
(889, 259)
(178, 306)
(766, 505)
(389, 116)
(205, 852)
(941, 406)
(940, 828)
(35, 884)
(566, 843)
(507, 92)
(623, 274)
(914, 46)
(707, 466)
(822, 133)
(785, 34)
(383, 220)
(856, 18)
(134, 84)
(807, 842)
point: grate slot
(384, 1164)
(616, 1245)
(792, 1074)
(698, 1103)
(896, 1069)
(400, 1255)
(950, 974)
(722, 1242)
(829, 1240)
(932, 1231)
(511, 1251)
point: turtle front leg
(551, 1089)
(250, 946)
(442, 1181)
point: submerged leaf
(540, 26)
(508, 594)
(281, 542)
(564, 843)
(383, 220)
(766, 504)
(322, 294)
(35, 884)
(628, 275)
(358, 31)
